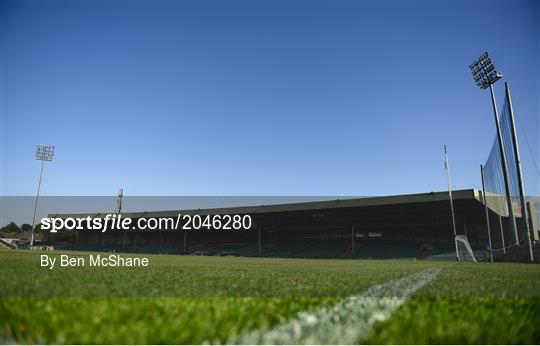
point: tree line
(12, 230)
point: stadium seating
(323, 249)
(403, 250)
(371, 249)
(442, 252)
(286, 249)
(309, 248)
(233, 249)
(381, 249)
(449, 253)
(248, 250)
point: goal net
(464, 251)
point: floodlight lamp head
(484, 72)
(45, 152)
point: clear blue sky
(247, 98)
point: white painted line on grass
(347, 321)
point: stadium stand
(372, 249)
(403, 250)
(284, 249)
(417, 226)
(368, 250)
(323, 249)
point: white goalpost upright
(463, 249)
(448, 181)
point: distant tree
(62, 235)
(12, 227)
(26, 227)
(11, 230)
(41, 234)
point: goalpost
(464, 250)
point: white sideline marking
(347, 321)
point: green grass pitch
(182, 299)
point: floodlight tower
(43, 153)
(119, 198)
(485, 75)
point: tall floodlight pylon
(485, 75)
(43, 153)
